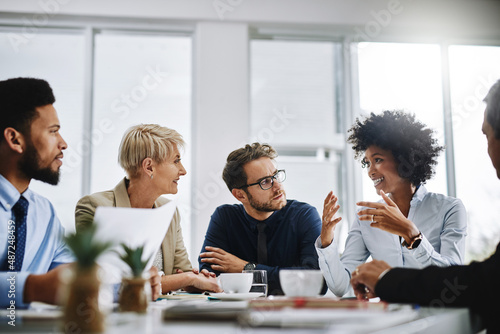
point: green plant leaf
(85, 248)
(133, 257)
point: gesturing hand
(330, 208)
(222, 261)
(387, 216)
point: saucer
(237, 296)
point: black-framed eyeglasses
(268, 182)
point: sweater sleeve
(309, 224)
(215, 237)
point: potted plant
(133, 296)
(82, 308)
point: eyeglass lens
(268, 182)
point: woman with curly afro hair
(409, 227)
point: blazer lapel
(121, 195)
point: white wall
(433, 18)
(220, 117)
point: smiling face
(383, 170)
(263, 201)
(42, 154)
(168, 173)
(493, 145)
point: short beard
(263, 207)
(30, 166)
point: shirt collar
(419, 194)
(253, 221)
(8, 194)
(269, 221)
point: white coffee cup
(301, 283)
(236, 282)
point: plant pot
(82, 313)
(133, 295)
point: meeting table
(220, 314)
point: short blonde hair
(147, 141)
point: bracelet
(161, 273)
(383, 273)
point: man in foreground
(32, 249)
(473, 286)
(266, 231)
(31, 235)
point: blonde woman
(149, 154)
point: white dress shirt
(45, 246)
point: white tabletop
(395, 319)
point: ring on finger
(373, 218)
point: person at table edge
(410, 226)
(473, 286)
(149, 154)
(31, 147)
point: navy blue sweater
(291, 233)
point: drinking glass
(259, 283)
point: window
(57, 57)
(138, 78)
(293, 82)
(473, 70)
(295, 108)
(408, 76)
(395, 76)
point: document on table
(134, 228)
(344, 320)
(199, 310)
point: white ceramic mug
(235, 282)
(301, 283)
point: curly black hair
(409, 140)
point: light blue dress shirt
(45, 248)
(442, 221)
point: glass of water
(259, 283)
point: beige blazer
(175, 255)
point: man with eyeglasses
(266, 231)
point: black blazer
(476, 286)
